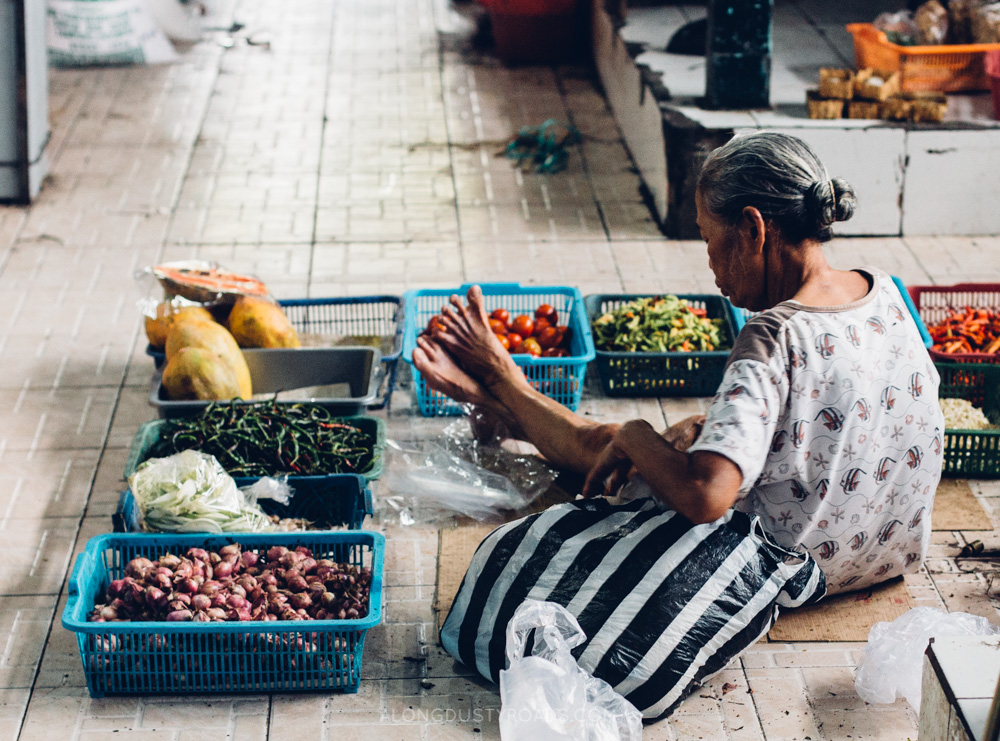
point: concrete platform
(899, 170)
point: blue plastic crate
(742, 316)
(558, 378)
(253, 656)
(360, 316)
(664, 373)
(338, 500)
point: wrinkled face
(737, 275)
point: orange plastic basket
(947, 68)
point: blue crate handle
(911, 307)
(73, 595)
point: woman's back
(839, 432)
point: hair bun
(821, 203)
(829, 201)
(844, 198)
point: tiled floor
(356, 156)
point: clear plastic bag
(190, 492)
(892, 663)
(427, 482)
(547, 695)
(900, 28)
(460, 473)
(478, 440)
(200, 281)
(932, 23)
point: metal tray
(284, 371)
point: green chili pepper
(270, 439)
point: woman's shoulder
(761, 337)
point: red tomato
(564, 335)
(502, 315)
(513, 340)
(540, 325)
(504, 340)
(548, 312)
(435, 325)
(498, 327)
(551, 352)
(522, 325)
(699, 312)
(549, 337)
(529, 346)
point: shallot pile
(236, 585)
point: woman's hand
(682, 435)
(702, 485)
(614, 461)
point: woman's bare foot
(470, 340)
(443, 374)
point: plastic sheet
(460, 474)
(547, 695)
(892, 663)
(478, 439)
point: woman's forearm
(702, 486)
(564, 438)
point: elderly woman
(825, 431)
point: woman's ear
(753, 230)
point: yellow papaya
(256, 322)
(158, 327)
(209, 335)
(197, 373)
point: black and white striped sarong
(664, 603)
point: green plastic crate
(972, 453)
(663, 373)
(149, 434)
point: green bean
(270, 439)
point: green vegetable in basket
(271, 439)
(191, 493)
(657, 324)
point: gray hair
(781, 177)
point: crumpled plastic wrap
(547, 695)
(892, 664)
(190, 492)
(195, 283)
(899, 28)
(932, 23)
(459, 474)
